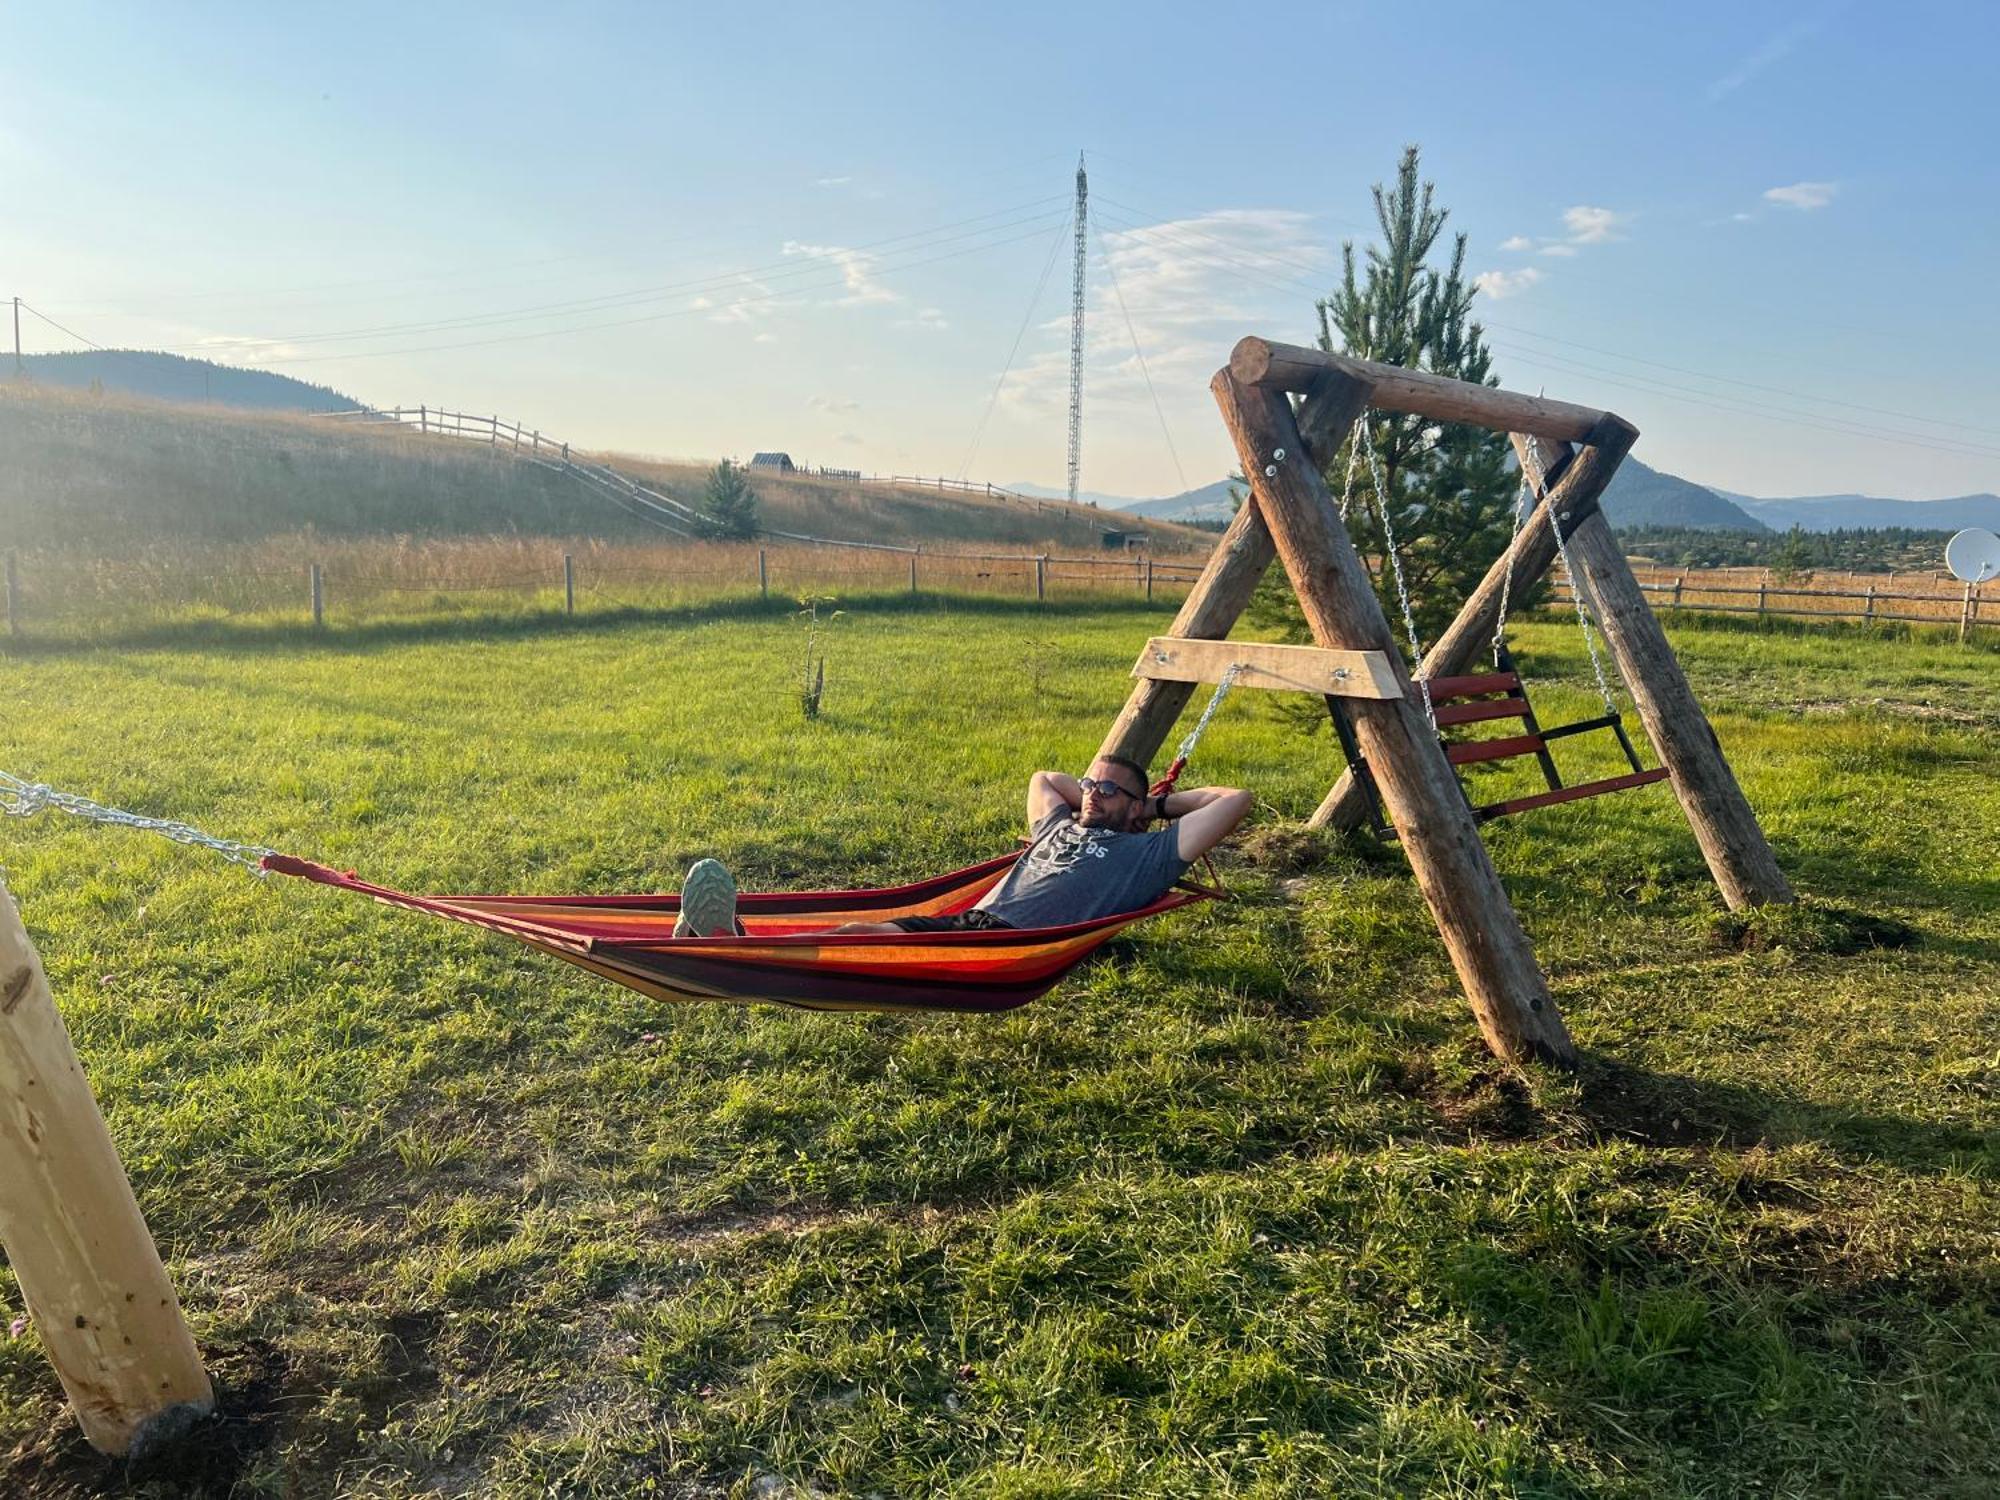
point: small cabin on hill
(777, 463)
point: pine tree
(728, 504)
(1449, 490)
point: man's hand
(1048, 790)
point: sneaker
(708, 903)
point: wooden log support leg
(1509, 996)
(88, 1269)
(1234, 570)
(1575, 495)
(1731, 839)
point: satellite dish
(1973, 555)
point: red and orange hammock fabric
(789, 957)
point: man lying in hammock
(1090, 854)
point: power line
(1048, 265)
(1117, 292)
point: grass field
(1243, 1209)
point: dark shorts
(959, 921)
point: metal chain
(1507, 578)
(1214, 702)
(1396, 570)
(1583, 617)
(23, 799)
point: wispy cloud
(1592, 226)
(1517, 242)
(1802, 195)
(831, 404)
(1774, 49)
(1191, 286)
(746, 300)
(856, 272)
(1561, 249)
(931, 319)
(1499, 284)
(831, 182)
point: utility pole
(1076, 333)
(18, 366)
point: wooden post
(1149, 580)
(1731, 840)
(318, 594)
(1762, 584)
(1678, 581)
(569, 584)
(1868, 614)
(13, 593)
(913, 570)
(1965, 616)
(1042, 576)
(1231, 576)
(88, 1270)
(423, 419)
(1512, 574)
(1420, 791)
(763, 576)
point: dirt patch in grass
(1808, 927)
(208, 1460)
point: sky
(1763, 233)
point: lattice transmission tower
(1076, 333)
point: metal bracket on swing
(1294, 669)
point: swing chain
(23, 799)
(1396, 570)
(1583, 616)
(1507, 578)
(1215, 701)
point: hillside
(114, 475)
(1640, 495)
(1208, 503)
(1851, 512)
(171, 377)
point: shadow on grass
(248, 636)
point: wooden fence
(1916, 599)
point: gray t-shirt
(1070, 873)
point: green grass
(1242, 1209)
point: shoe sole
(708, 902)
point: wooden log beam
(1291, 367)
(1731, 839)
(1211, 607)
(1481, 931)
(1292, 669)
(1575, 496)
(87, 1268)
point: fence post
(423, 419)
(1762, 584)
(1042, 576)
(763, 576)
(1677, 589)
(1149, 580)
(88, 1269)
(493, 440)
(318, 595)
(565, 452)
(1965, 615)
(913, 568)
(13, 594)
(569, 584)
(1868, 614)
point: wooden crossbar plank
(1574, 793)
(1298, 669)
(1476, 713)
(1468, 687)
(1473, 752)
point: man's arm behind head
(1208, 821)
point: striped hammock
(789, 958)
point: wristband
(1163, 806)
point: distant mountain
(1867, 512)
(1639, 495)
(1209, 503)
(171, 377)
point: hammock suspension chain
(1167, 782)
(23, 799)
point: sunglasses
(1092, 785)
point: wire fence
(54, 595)
(1926, 598)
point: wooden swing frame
(1288, 410)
